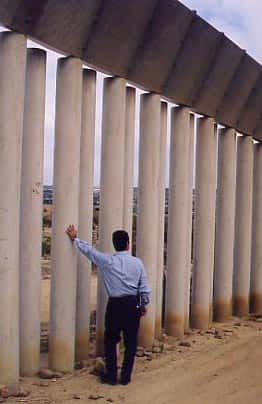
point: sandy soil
(214, 369)
(211, 370)
(221, 366)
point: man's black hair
(120, 239)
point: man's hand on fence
(71, 232)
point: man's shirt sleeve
(101, 260)
(143, 287)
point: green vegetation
(46, 246)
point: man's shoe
(124, 381)
(107, 379)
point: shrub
(47, 221)
(46, 246)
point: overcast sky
(239, 20)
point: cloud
(240, 21)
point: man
(126, 284)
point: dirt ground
(223, 365)
(220, 366)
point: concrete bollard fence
(222, 195)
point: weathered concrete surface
(129, 161)
(31, 211)
(225, 224)
(177, 239)
(148, 205)
(256, 251)
(172, 51)
(204, 233)
(162, 182)
(112, 183)
(243, 226)
(12, 83)
(66, 203)
(190, 222)
(87, 145)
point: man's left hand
(143, 310)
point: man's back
(123, 274)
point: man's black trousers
(122, 315)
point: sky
(239, 20)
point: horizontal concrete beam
(159, 45)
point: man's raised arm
(98, 258)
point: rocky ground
(222, 365)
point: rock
(237, 324)
(85, 363)
(58, 375)
(164, 338)
(5, 393)
(246, 318)
(15, 391)
(259, 320)
(110, 400)
(43, 384)
(99, 366)
(228, 330)
(157, 349)
(78, 366)
(23, 392)
(2, 387)
(211, 331)
(256, 315)
(189, 332)
(185, 344)
(95, 397)
(201, 332)
(148, 354)
(157, 343)
(76, 397)
(45, 373)
(168, 347)
(219, 334)
(140, 351)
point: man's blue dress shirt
(123, 274)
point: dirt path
(224, 370)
